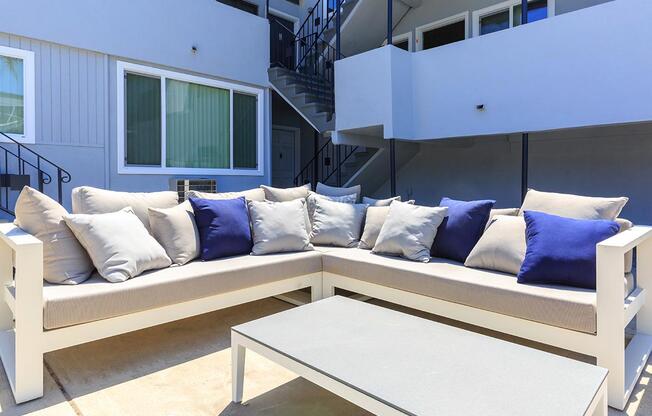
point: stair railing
(19, 161)
(327, 162)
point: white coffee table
(391, 363)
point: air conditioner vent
(182, 186)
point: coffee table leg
(237, 369)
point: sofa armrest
(610, 261)
(21, 278)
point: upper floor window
(17, 106)
(508, 14)
(173, 123)
(242, 5)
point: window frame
(400, 38)
(29, 94)
(126, 67)
(464, 16)
(499, 7)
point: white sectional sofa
(37, 317)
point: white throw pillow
(89, 200)
(337, 223)
(285, 194)
(409, 231)
(279, 226)
(501, 211)
(380, 202)
(256, 194)
(313, 197)
(335, 191)
(573, 206)
(373, 223)
(64, 260)
(118, 244)
(175, 229)
(501, 247)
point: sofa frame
(24, 341)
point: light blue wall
(77, 44)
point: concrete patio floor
(183, 368)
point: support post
(338, 54)
(315, 165)
(525, 154)
(392, 165)
(389, 22)
(238, 353)
(267, 9)
(338, 164)
(524, 11)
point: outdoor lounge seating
(38, 317)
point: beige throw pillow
(373, 223)
(380, 202)
(64, 260)
(409, 231)
(285, 194)
(501, 247)
(118, 244)
(279, 226)
(88, 200)
(175, 229)
(501, 211)
(573, 206)
(256, 194)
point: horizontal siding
(71, 93)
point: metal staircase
(19, 165)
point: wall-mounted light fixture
(479, 107)
(194, 49)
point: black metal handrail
(24, 159)
(328, 161)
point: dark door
(282, 48)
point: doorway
(285, 155)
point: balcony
(538, 77)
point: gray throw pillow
(279, 226)
(285, 194)
(335, 191)
(175, 229)
(380, 202)
(64, 260)
(313, 197)
(573, 206)
(89, 200)
(409, 231)
(501, 247)
(373, 223)
(256, 194)
(337, 223)
(118, 244)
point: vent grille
(182, 186)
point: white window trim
(508, 4)
(400, 38)
(464, 16)
(29, 93)
(124, 67)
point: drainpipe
(525, 138)
(392, 143)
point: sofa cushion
(97, 299)
(563, 307)
(279, 226)
(89, 200)
(335, 191)
(64, 260)
(573, 206)
(562, 250)
(175, 229)
(118, 244)
(224, 227)
(256, 194)
(285, 194)
(461, 229)
(409, 231)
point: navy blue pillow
(461, 229)
(562, 250)
(223, 227)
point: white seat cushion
(562, 307)
(98, 299)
